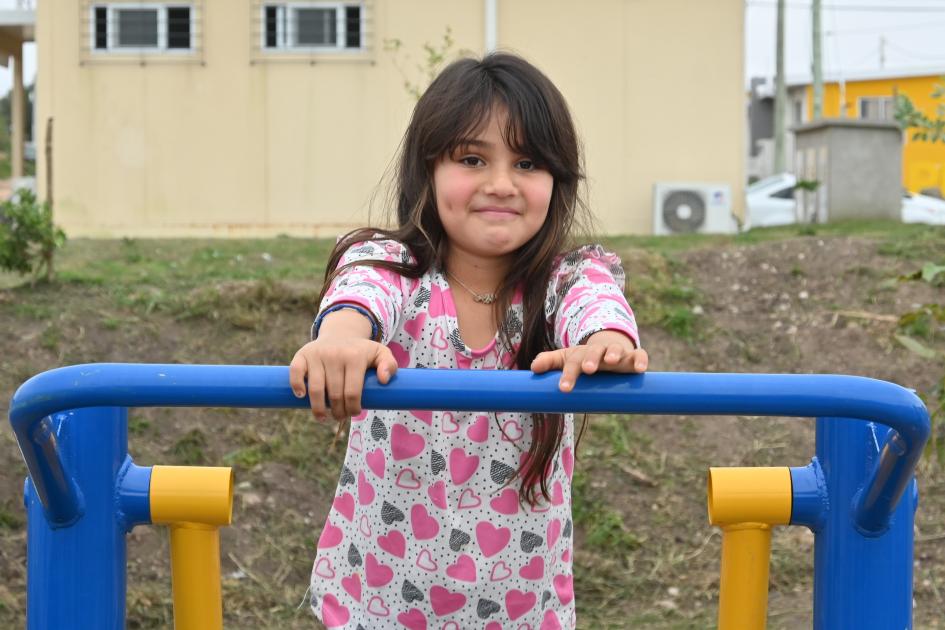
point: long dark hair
(453, 109)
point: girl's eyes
(472, 160)
(526, 165)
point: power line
(919, 56)
(863, 8)
(884, 29)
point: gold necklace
(481, 298)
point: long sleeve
(381, 291)
(585, 296)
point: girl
(449, 520)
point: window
(142, 27)
(312, 26)
(877, 108)
(784, 193)
(798, 111)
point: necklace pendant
(487, 298)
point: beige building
(258, 117)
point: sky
(913, 30)
(854, 30)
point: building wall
(923, 163)
(238, 145)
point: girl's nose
(500, 183)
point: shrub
(28, 237)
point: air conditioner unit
(704, 208)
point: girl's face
(490, 199)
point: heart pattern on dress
(501, 472)
(378, 429)
(458, 539)
(487, 607)
(411, 593)
(530, 541)
(437, 463)
(390, 514)
(354, 556)
(407, 479)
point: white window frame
(285, 12)
(882, 102)
(112, 46)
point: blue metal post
(860, 581)
(76, 573)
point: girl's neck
(481, 273)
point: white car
(770, 201)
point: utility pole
(780, 95)
(882, 51)
(817, 61)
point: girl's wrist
(347, 319)
(609, 336)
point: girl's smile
(491, 200)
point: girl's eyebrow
(473, 142)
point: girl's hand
(607, 350)
(335, 367)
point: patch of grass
(905, 234)
(926, 243)
(10, 517)
(28, 310)
(248, 456)
(50, 337)
(189, 450)
(604, 527)
(138, 426)
(663, 296)
(927, 322)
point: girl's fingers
(591, 358)
(614, 354)
(548, 360)
(354, 383)
(335, 387)
(570, 371)
(297, 371)
(316, 388)
(386, 365)
(641, 360)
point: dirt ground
(807, 304)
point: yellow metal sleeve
(195, 577)
(191, 494)
(750, 495)
(743, 590)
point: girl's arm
(336, 361)
(593, 325)
(358, 314)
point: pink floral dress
(425, 531)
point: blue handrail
(143, 385)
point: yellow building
(873, 96)
(259, 117)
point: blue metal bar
(134, 495)
(137, 385)
(859, 581)
(810, 499)
(76, 575)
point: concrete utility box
(858, 164)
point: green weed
(189, 450)
(604, 527)
(138, 426)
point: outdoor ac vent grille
(680, 208)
